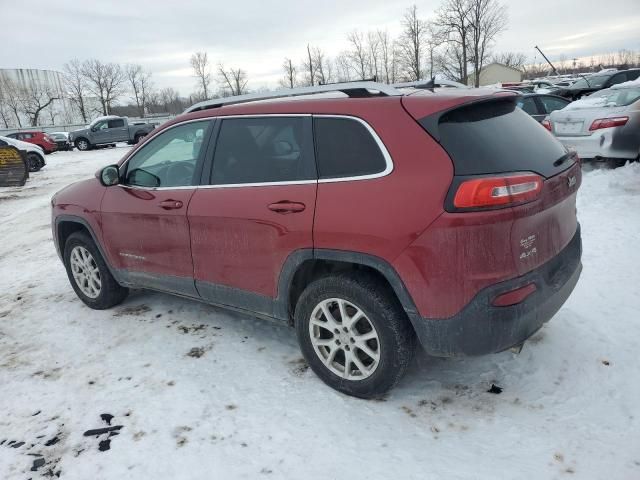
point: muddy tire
(354, 334)
(89, 275)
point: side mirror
(109, 175)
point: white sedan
(35, 154)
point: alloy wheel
(85, 272)
(344, 339)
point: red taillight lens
(546, 124)
(608, 123)
(498, 191)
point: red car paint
(228, 236)
(41, 139)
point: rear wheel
(354, 334)
(138, 137)
(34, 162)
(88, 273)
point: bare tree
(433, 40)
(322, 67)
(76, 86)
(487, 19)
(387, 57)
(510, 59)
(202, 71)
(232, 81)
(12, 95)
(343, 67)
(290, 74)
(4, 111)
(450, 62)
(358, 54)
(35, 99)
(308, 67)
(373, 46)
(105, 81)
(411, 43)
(453, 21)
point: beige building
(496, 73)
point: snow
(202, 393)
(630, 83)
(588, 102)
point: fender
(297, 258)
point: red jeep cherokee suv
(368, 222)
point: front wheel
(82, 144)
(35, 162)
(354, 334)
(88, 273)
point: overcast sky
(257, 34)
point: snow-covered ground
(201, 393)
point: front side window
(263, 150)
(100, 125)
(346, 148)
(169, 159)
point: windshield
(594, 81)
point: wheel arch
(304, 266)
(65, 225)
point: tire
(137, 138)
(82, 248)
(394, 342)
(35, 162)
(82, 144)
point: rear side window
(346, 148)
(264, 150)
(551, 104)
(497, 137)
(116, 123)
(528, 104)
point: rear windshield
(611, 97)
(592, 81)
(497, 137)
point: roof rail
(429, 84)
(352, 89)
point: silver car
(604, 125)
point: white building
(59, 112)
(496, 73)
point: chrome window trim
(383, 149)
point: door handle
(170, 204)
(286, 207)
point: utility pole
(555, 72)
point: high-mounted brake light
(498, 191)
(608, 123)
(546, 124)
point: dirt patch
(134, 310)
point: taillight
(501, 191)
(608, 123)
(546, 124)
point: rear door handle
(284, 207)
(170, 204)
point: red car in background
(41, 139)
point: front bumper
(606, 143)
(482, 328)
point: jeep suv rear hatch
(512, 169)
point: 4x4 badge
(571, 181)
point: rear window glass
(592, 81)
(611, 97)
(497, 137)
(345, 148)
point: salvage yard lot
(201, 393)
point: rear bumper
(605, 143)
(482, 328)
